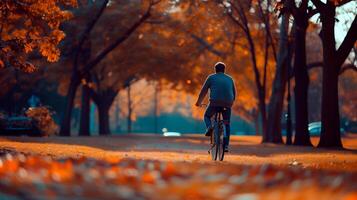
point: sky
(345, 16)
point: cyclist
(222, 95)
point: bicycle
(217, 137)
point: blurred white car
(170, 134)
(315, 129)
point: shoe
(209, 132)
(226, 149)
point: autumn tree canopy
(30, 26)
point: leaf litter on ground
(41, 177)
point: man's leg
(207, 119)
(227, 119)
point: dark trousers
(211, 110)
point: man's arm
(234, 90)
(203, 92)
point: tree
(347, 96)
(237, 11)
(152, 53)
(78, 74)
(301, 15)
(219, 38)
(278, 89)
(26, 26)
(275, 106)
(301, 18)
(332, 61)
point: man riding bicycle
(222, 95)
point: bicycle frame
(218, 118)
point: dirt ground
(245, 150)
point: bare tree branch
(232, 17)
(343, 69)
(207, 45)
(343, 2)
(347, 67)
(318, 4)
(117, 42)
(87, 31)
(266, 19)
(235, 20)
(347, 44)
(312, 13)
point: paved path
(245, 150)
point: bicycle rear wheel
(215, 143)
(221, 146)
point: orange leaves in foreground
(28, 25)
(43, 177)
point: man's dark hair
(220, 67)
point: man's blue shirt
(222, 90)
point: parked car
(18, 125)
(315, 129)
(35, 121)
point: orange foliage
(169, 170)
(186, 70)
(43, 119)
(85, 178)
(28, 25)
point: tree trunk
(117, 116)
(260, 88)
(103, 100)
(103, 115)
(130, 109)
(263, 119)
(156, 108)
(243, 23)
(302, 136)
(330, 118)
(85, 54)
(71, 94)
(273, 133)
(85, 110)
(256, 123)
